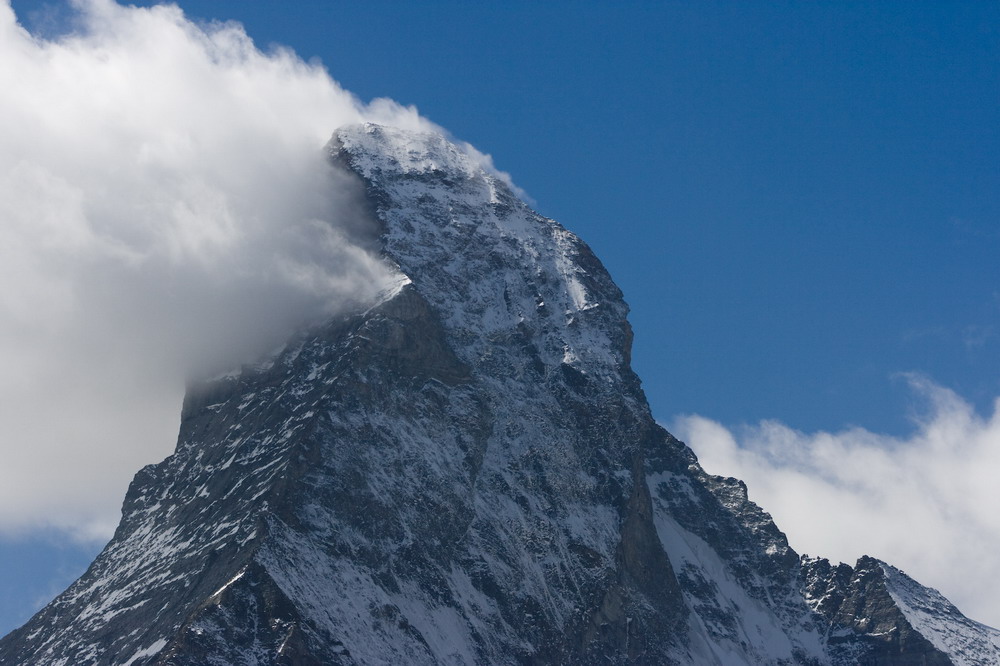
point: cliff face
(465, 472)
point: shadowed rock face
(465, 472)
(858, 599)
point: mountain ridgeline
(466, 472)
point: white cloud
(927, 503)
(165, 209)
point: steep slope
(900, 620)
(465, 472)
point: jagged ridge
(466, 472)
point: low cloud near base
(927, 503)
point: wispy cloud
(977, 336)
(926, 502)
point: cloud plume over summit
(165, 210)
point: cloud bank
(165, 212)
(927, 503)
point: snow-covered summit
(381, 149)
(490, 265)
(465, 471)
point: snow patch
(147, 652)
(731, 625)
(966, 641)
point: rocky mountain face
(882, 616)
(467, 472)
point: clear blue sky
(799, 200)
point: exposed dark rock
(465, 472)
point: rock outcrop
(466, 472)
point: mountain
(466, 472)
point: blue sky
(799, 200)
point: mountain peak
(465, 472)
(385, 150)
(487, 263)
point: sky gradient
(799, 201)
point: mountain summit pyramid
(466, 472)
